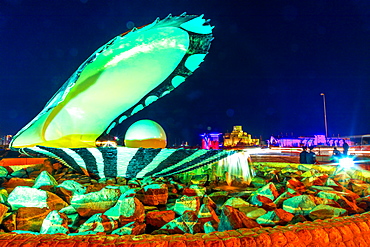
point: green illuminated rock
(299, 204)
(24, 196)
(45, 180)
(325, 211)
(95, 202)
(186, 203)
(55, 222)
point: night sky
(266, 68)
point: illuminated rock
(269, 191)
(155, 194)
(325, 211)
(23, 196)
(232, 219)
(95, 202)
(146, 134)
(68, 188)
(127, 209)
(236, 203)
(253, 212)
(45, 181)
(31, 218)
(55, 222)
(275, 217)
(208, 215)
(186, 203)
(299, 204)
(157, 219)
(98, 223)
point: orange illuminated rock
(155, 194)
(232, 219)
(31, 218)
(159, 218)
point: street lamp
(326, 123)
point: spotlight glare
(346, 163)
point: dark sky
(267, 65)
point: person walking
(345, 148)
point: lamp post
(326, 123)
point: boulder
(186, 203)
(155, 194)
(208, 215)
(23, 196)
(31, 218)
(232, 219)
(276, 217)
(325, 211)
(236, 203)
(68, 188)
(157, 219)
(98, 223)
(55, 222)
(45, 181)
(269, 191)
(95, 202)
(279, 201)
(359, 187)
(126, 210)
(299, 204)
(296, 185)
(253, 212)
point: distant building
(5, 141)
(239, 139)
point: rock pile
(53, 199)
